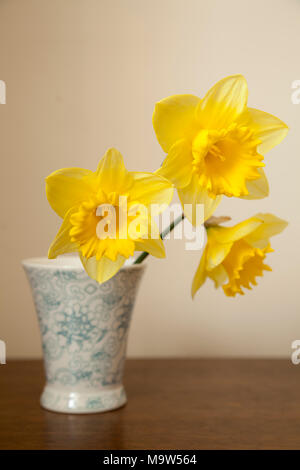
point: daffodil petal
(269, 129)
(259, 188)
(216, 253)
(68, 187)
(174, 119)
(112, 174)
(153, 244)
(154, 247)
(200, 275)
(223, 235)
(151, 189)
(103, 269)
(177, 165)
(223, 103)
(269, 226)
(219, 275)
(62, 242)
(193, 195)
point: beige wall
(83, 75)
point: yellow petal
(269, 129)
(149, 188)
(62, 242)
(68, 187)
(112, 174)
(259, 188)
(216, 252)
(223, 103)
(174, 119)
(153, 244)
(103, 269)
(191, 196)
(154, 247)
(200, 275)
(225, 235)
(219, 275)
(269, 226)
(177, 166)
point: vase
(84, 328)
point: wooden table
(173, 404)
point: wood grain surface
(172, 404)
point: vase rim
(64, 263)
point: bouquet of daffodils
(214, 147)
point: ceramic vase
(84, 328)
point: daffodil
(234, 256)
(83, 199)
(215, 145)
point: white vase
(84, 328)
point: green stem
(163, 234)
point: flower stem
(163, 234)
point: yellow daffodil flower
(234, 256)
(76, 195)
(215, 145)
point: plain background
(84, 75)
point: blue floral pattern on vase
(84, 328)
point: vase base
(61, 401)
